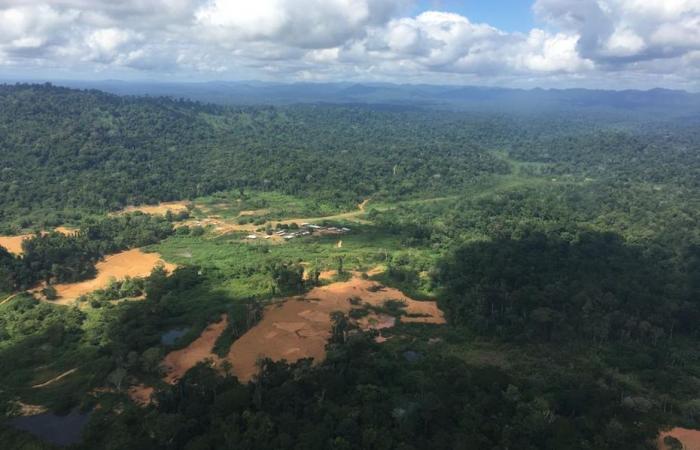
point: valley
(343, 276)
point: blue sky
(508, 15)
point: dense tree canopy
(593, 287)
(563, 248)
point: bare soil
(141, 394)
(254, 212)
(130, 263)
(68, 231)
(299, 327)
(178, 362)
(689, 438)
(159, 209)
(223, 226)
(13, 244)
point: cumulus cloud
(302, 23)
(619, 32)
(607, 42)
(438, 42)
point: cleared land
(299, 327)
(157, 210)
(178, 362)
(689, 438)
(141, 394)
(130, 263)
(13, 244)
(68, 231)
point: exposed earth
(129, 263)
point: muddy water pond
(170, 337)
(52, 428)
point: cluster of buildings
(306, 229)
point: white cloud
(108, 44)
(620, 32)
(33, 27)
(303, 23)
(595, 42)
(552, 53)
(450, 43)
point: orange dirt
(327, 274)
(130, 263)
(13, 244)
(178, 362)
(689, 438)
(157, 210)
(300, 327)
(219, 226)
(66, 230)
(141, 394)
(376, 271)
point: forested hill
(67, 150)
(667, 103)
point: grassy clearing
(269, 205)
(237, 263)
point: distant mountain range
(465, 98)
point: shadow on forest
(589, 285)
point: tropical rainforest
(563, 248)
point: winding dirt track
(54, 379)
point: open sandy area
(299, 327)
(141, 394)
(178, 362)
(689, 438)
(159, 209)
(130, 263)
(68, 231)
(13, 244)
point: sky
(615, 44)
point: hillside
(190, 276)
(673, 104)
(65, 152)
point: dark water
(58, 430)
(171, 336)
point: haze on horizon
(610, 44)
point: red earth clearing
(299, 327)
